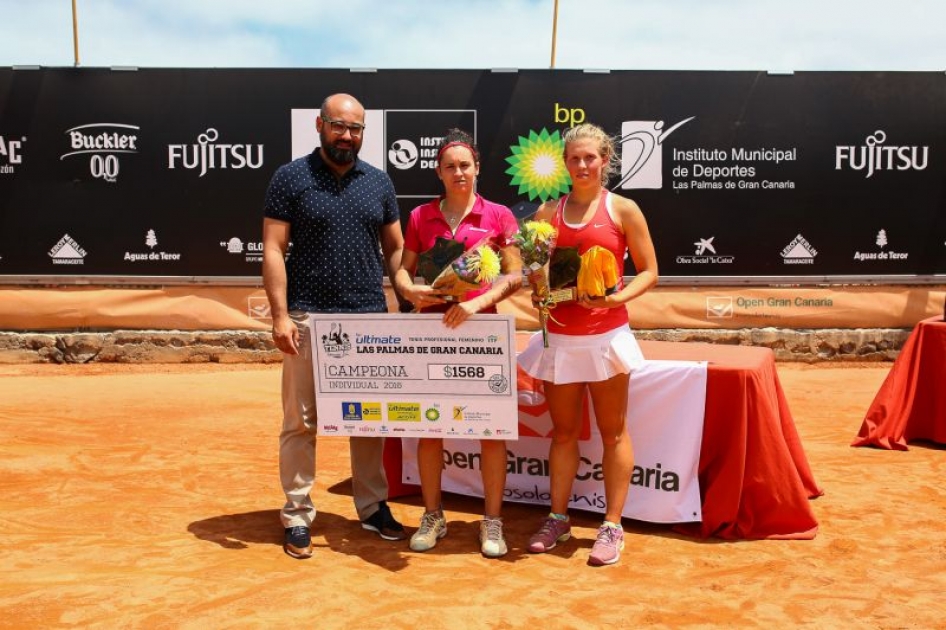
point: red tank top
(570, 318)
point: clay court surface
(147, 497)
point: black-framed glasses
(338, 127)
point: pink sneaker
(607, 548)
(552, 532)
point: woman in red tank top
(591, 345)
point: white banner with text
(410, 375)
(665, 410)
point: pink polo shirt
(486, 221)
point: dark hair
(458, 136)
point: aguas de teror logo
(152, 255)
(883, 252)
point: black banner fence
(158, 175)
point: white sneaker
(492, 543)
(433, 527)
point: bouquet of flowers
(472, 269)
(535, 240)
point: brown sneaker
(383, 523)
(298, 542)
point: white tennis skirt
(582, 358)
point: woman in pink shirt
(590, 343)
(462, 215)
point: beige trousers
(298, 439)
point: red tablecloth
(911, 403)
(755, 480)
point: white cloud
(114, 35)
(645, 34)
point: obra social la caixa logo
(537, 168)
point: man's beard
(340, 156)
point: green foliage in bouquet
(535, 240)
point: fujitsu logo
(207, 154)
(873, 156)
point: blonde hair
(588, 131)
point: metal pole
(75, 33)
(554, 32)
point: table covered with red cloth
(911, 403)
(755, 480)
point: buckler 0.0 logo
(103, 143)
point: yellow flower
(542, 230)
(488, 267)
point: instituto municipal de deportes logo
(641, 146)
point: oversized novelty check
(408, 375)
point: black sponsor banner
(743, 176)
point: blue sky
(775, 35)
